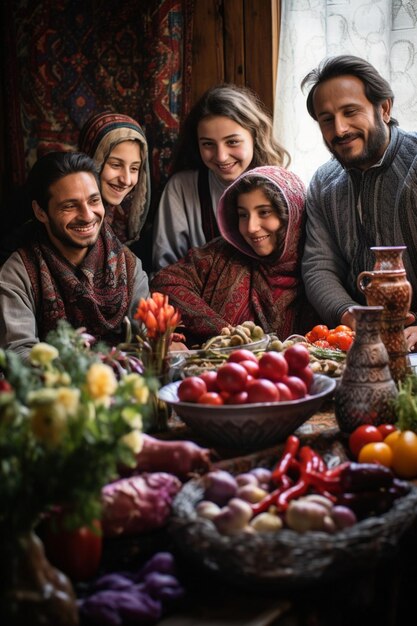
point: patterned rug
(69, 59)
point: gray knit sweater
(338, 240)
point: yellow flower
(51, 378)
(133, 440)
(132, 417)
(43, 354)
(41, 397)
(138, 387)
(69, 398)
(101, 381)
(49, 423)
(64, 379)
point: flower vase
(367, 390)
(160, 411)
(32, 591)
(387, 286)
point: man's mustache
(336, 140)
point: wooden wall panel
(234, 42)
(260, 46)
(208, 47)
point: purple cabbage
(138, 503)
(120, 608)
(128, 598)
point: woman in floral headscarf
(118, 146)
(252, 272)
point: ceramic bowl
(249, 426)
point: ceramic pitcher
(387, 286)
(367, 389)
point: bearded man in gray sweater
(365, 195)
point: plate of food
(247, 335)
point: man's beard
(373, 150)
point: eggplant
(367, 503)
(365, 477)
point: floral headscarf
(98, 137)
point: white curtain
(382, 32)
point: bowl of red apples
(251, 401)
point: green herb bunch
(405, 406)
(66, 425)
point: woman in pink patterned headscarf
(118, 146)
(251, 272)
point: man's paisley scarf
(95, 294)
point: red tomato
(297, 386)
(262, 390)
(386, 429)
(210, 397)
(341, 340)
(191, 389)
(363, 434)
(342, 328)
(306, 375)
(251, 367)
(242, 354)
(232, 377)
(273, 366)
(319, 331)
(241, 397)
(5, 386)
(210, 378)
(77, 553)
(285, 394)
(322, 343)
(297, 357)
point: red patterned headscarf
(226, 282)
(292, 190)
(275, 279)
(98, 137)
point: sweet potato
(180, 458)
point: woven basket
(286, 558)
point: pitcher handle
(363, 280)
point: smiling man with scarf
(73, 267)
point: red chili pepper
(271, 498)
(318, 463)
(321, 482)
(291, 447)
(295, 491)
(338, 469)
(306, 456)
